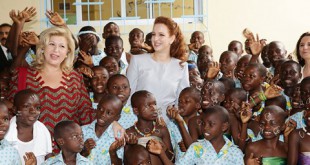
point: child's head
(212, 93)
(136, 154)
(276, 51)
(264, 56)
(196, 82)
(4, 119)
(279, 63)
(197, 37)
(99, 80)
(136, 38)
(228, 61)
(69, 136)
(144, 105)
(290, 74)
(110, 29)
(4, 87)
(241, 64)
(305, 92)
(118, 85)
(279, 101)
(247, 46)
(215, 121)
(108, 110)
(87, 34)
(110, 64)
(254, 75)
(272, 121)
(205, 54)
(148, 39)
(296, 101)
(189, 101)
(27, 107)
(229, 83)
(114, 47)
(234, 99)
(236, 46)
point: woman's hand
(28, 13)
(29, 38)
(117, 144)
(118, 130)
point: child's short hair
(111, 38)
(137, 96)
(229, 83)
(107, 25)
(110, 97)
(133, 152)
(260, 67)
(217, 84)
(279, 101)
(114, 77)
(294, 63)
(275, 110)
(136, 29)
(61, 127)
(195, 93)
(219, 110)
(239, 93)
(23, 93)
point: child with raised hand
(146, 128)
(189, 104)
(212, 93)
(136, 154)
(196, 41)
(98, 83)
(110, 64)
(26, 133)
(69, 137)
(237, 47)
(8, 154)
(118, 85)
(215, 148)
(276, 51)
(99, 134)
(299, 139)
(269, 150)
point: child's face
(120, 87)
(275, 53)
(194, 72)
(187, 104)
(196, 81)
(212, 126)
(197, 37)
(107, 112)
(73, 140)
(295, 99)
(205, 54)
(227, 63)
(289, 75)
(28, 109)
(147, 108)
(111, 65)
(241, 64)
(210, 95)
(270, 125)
(236, 47)
(305, 94)
(112, 29)
(251, 79)
(114, 49)
(4, 87)
(231, 103)
(4, 121)
(264, 56)
(136, 38)
(99, 80)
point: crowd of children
(245, 109)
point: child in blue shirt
(98, 83)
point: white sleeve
(132, 74)
(184, 81)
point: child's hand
(29, 38)
(155, 147)
(87, 71)
(182, 146)
(173, 113)
(275, 80)
(160, 121)
(28, 13)
(86, 58)
(246, 112)
(247, 33)
(131, 139)
(256, 46)
(117, 144)
(273, 91)
(89, 144)
(55, 18)
(30, 158)
(214, 69)
(89, 41)
(253, 161)
(289, 127)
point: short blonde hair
(66, 65)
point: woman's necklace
(146, 132)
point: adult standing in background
(303, 53)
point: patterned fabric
(176, 137)
(298, 117)
(193, 56)
(259, 136)
(30, 56)
(67, 102)
(97, 58)
(202, 152)
(58, 160)
(288, 101)
(91, 96)
(8, 154)
(128, 118)
(274, 161)
(100, 154)
(304, 158)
